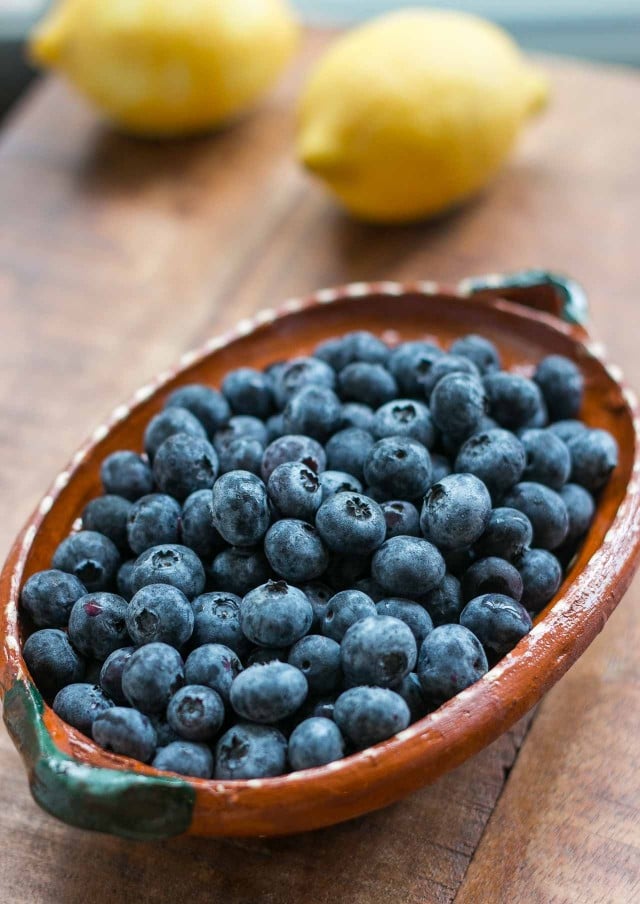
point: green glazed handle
(550, 292)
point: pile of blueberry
(303, 563)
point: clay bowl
(528, 316)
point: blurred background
(605, 30)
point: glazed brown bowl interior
(471, 720)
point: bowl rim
(559, 636)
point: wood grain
(115, 256)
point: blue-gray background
(596, 29)
(605, 30)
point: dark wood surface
(116, 256)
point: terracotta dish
(528, 315)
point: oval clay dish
(528, 315)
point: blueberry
(545, 509)
(300, 372)
(355, 414)
(498, 621)
(541, 576)
(207, 404)
(48, 597)
(240, 507)
(359, 345)
(440, 467)
(196, 712)
(368, 715)
(365, 346)
(268, 693)
(581, 508)
(151, 677)
(594, 455)
(445, 366)
(411, 692)
(455, 511)
(213, 665)
(240, 426)
(411, 364)
(250, 751)
(347, 450)
(293, 448)
(239, 569)
(275, 427)
(483, 353)
(404, 417)
(111, 674)
(80, 705)
(185, 758)
(370, 384)
(52, 661)
(548, 459)
(337, 352)
(402, 519)
(275, 614)
(507, 534)
(126, 474)
(399, 466)
(314, 411)
(184, 464)
(332, 482)
(408, 566)
(169, 564)
(217, 620)
(160, 613)
(108, 515)
(242, 454)
(345, 609)
(351, 523)
(295, 490)
(514, 401)
(450, 659)
(198, 532)
(318, 658)
(567, 429)
(444, 603)
(491, 575)
(126, 732)
(152, 520)
(295, 550)
(168, 423)
(97, 624)
(315, 742)
(412, 614)
(124, 578)
(379, 651)
(248, 391)
(496, 457)
(93, 558)
(458, 403)
(318, 595)
(562, 386)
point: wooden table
(116, 256)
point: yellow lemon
(168, 67)
(411, 113)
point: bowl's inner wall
(522, 341)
